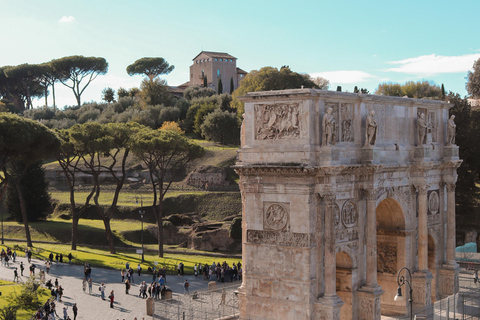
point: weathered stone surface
(340, 191)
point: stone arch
(352, 254)
(391, 250)
(402, 202)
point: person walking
(65, 313)
(84, 285)
(15, 275)
(70, 257)
(49, 264)
(75, 311)
(185, 287)
(60, 292)
(127, 286)
(111, 297)
(21, 268)
(139, 269)
(90, 284)
(102, 291)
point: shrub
(235, 231)
(221, 126)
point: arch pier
(339, 192)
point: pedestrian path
(91, 306)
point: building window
(203, 73)
(218, 72)
(216, 59)
(220, 59)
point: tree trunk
(108, 232)
(53, 95)
(46, 95)
(23, 209)
(75, 219)
(159, 215)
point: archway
(391, 248)
(432, 266)
(344, 284)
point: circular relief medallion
(349, 214)
(276, 217)
(336, 211)
(433, 202)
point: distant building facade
(210, 67)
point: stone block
(451, 152)
(212, 285)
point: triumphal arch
(340, 191)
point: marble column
(449, 278)
(369, 296)
(329, 305)
(422, 228)
(330, 258)
(451, 223)
(371, 227)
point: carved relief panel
(346, 228)
(277, 121)
(336, 216)
(276, 215)
(343, 113)
(346, 122)
(349, 214)
(387, 256)
(432, 127)
(433, 202)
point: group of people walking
(219, 272)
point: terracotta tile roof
(215, 55)
(241, 71)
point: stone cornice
(273, 170)
(326, 94)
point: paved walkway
(91, 306)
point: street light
(141, 212)
(401, 280)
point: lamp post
(401, 280)
(141, 212)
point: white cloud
(435, 64)
(344, 76)
(66, 19)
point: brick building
(210, 66)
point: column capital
(370, 194)
(329, 198)
(422, 189)
(450, 186)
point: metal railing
(221, 303)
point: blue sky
(361, 43)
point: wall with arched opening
(391, 252)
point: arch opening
(391, 248)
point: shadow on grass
(60, 231)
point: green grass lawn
(125, 198)
(8, 289)
(103, 259)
